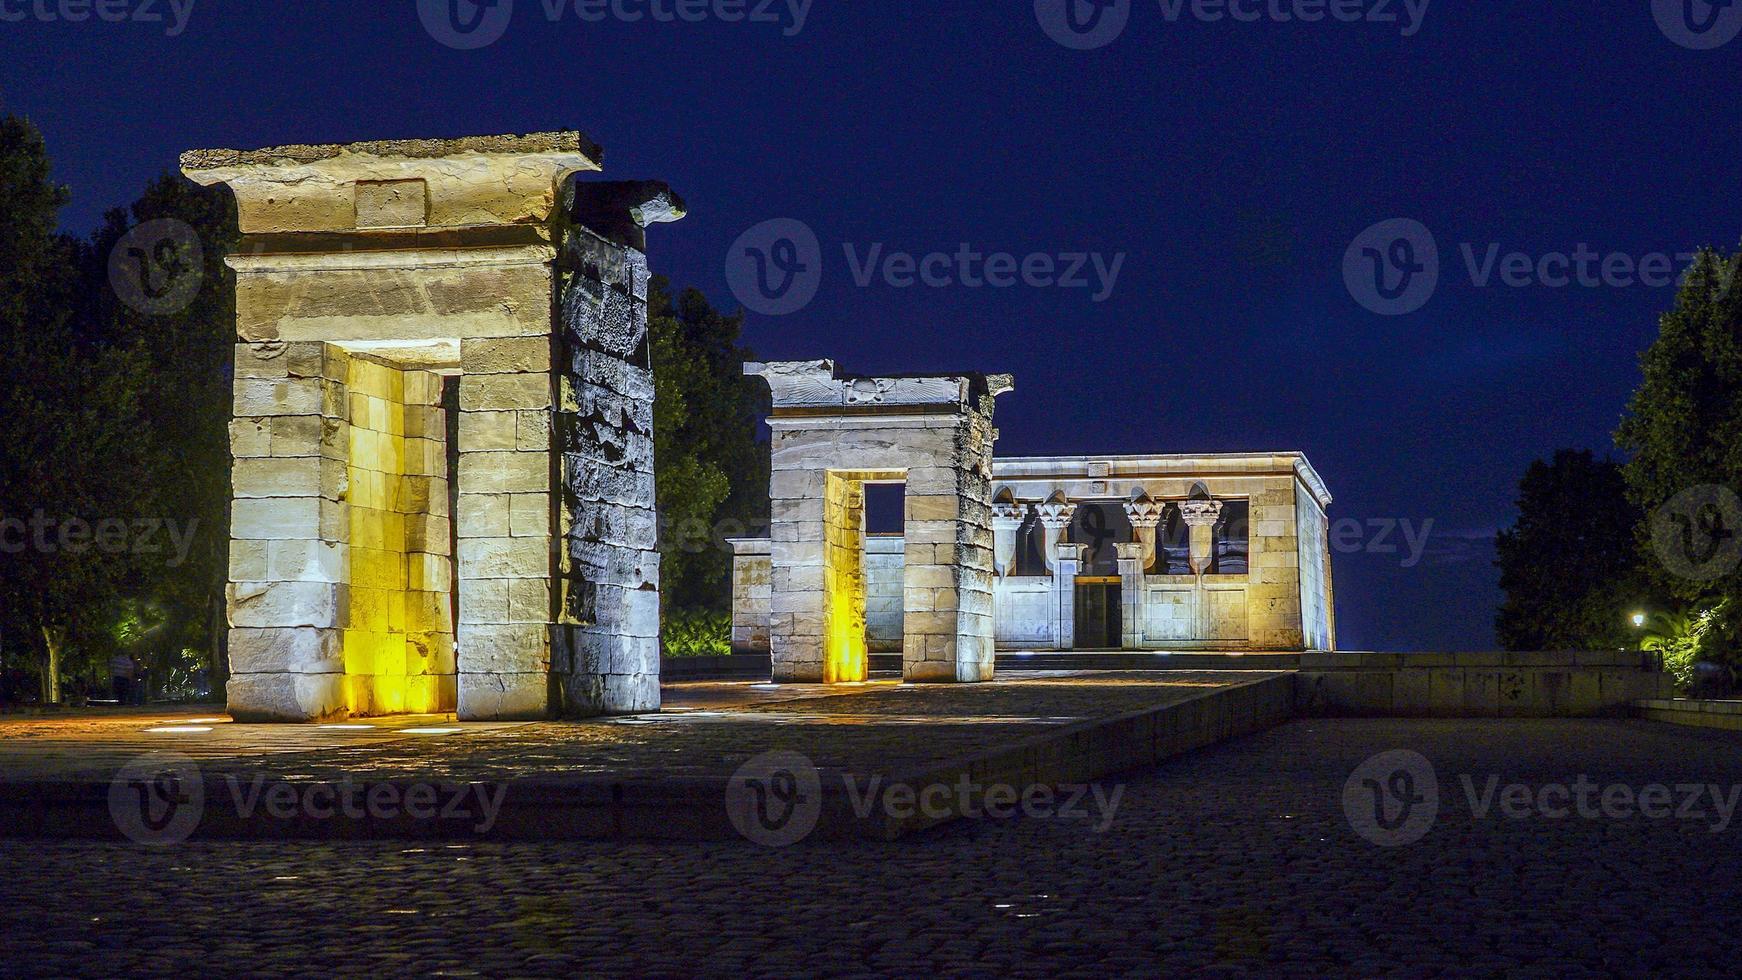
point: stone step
(1117, 660)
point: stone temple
(444, 476)
(442, 440)
(1223, 553)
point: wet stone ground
(1239, 859)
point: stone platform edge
(1477, 685)
(1723, 715)
(695, 809)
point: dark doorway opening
(1098, 626)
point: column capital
(1200, 513)
(1143, 513)
(1057, 512)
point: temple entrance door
(1097, 613)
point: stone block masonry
(387, 294)
(834, 433)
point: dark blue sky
(1232, 163)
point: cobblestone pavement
(1237, 859)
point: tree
(69, 435)
(187, 362)
(1684, 423)
(711, 469)
(1569, 567)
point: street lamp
(1638, 620)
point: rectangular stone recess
(399, 643)
(339, 566)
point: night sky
(1232, 164)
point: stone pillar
(504, 527)
(844, 580)
(1007, 518)
(1133, 560)
(289, 593)
(1145, 517)
(751, 577)
(832, 433)
(607, 651)
(1064, 584)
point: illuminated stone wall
(844, 579)
(399, 634)
(289, 593)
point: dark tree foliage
(1684, 429)
(711, 467)
(1569, 567)
(71, 441)
(186, 362)
(1684, 424)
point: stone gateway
(443, 431)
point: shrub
(696, 633)
(1695, 646)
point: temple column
(1145, 517)
(1007, 517)
(1131, 593)
(1056, 515)
(1062, 559)
(1201, 517)
(1064, 584)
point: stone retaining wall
(1726, 715)
(1476, 685)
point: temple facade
(1216, 553)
